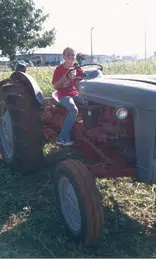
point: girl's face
(69, 57)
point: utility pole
(145, 45)
(91, 42)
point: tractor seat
(54, 95)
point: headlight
(121, 113)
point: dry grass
(30, 225)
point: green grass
(30, 225)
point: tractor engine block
(98, 126)
(110, 134)
(108, 126)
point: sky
(119, 25)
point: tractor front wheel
(79, 201)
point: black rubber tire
(89, 201)
(27, 127)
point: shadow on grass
(125, 237)
(31, 226)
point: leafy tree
(21, 27)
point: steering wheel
(71, 77)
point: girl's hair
(67, 49)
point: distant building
(42, 58)
(98, 58)
(129, 58)
(56, 58)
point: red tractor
(115, 131)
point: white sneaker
(64, 142)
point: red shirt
(71, 90)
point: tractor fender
(31, 82)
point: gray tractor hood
(121, 90)
(137, 92)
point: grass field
(30, 225)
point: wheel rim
(6, 133)
(69, 204)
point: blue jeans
(69, 104)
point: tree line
(21, 28)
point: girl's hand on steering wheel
(72, 74)
(66, 83)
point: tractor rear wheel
(20, 127)
(79, 202)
